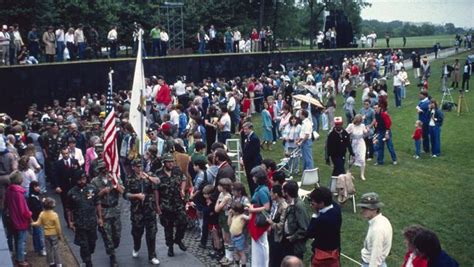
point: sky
(459, 12)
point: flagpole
(142, 134)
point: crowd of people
(186, 166)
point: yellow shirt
(50, 221)
(237, 225)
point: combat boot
(113, 261)
(170, 251)
(181, 245)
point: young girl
(52, 231)
(236, 221)
(417, 135)
(36, 207)
(239, 195)
(27, 173)
(290, 134)
(222, 208)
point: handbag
(261, 219)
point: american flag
(111, 156)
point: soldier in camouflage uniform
(84, 214)
(139, 189)
(109, 199)
(52, 146)
(170, 194)
(99, 150)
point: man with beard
(170, 194)
(336, 146)
(84, 214)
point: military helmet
(136, 162)
(101, 164)
(167, 157)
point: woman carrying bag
(258, 226)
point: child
(239, 195)
(210, 220)
(52, 231)
(222, 208)
(417, 137)
(36, 207)
(237, 220)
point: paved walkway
(124, 251)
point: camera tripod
(447, 96)
(462, 104)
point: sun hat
(370, 201)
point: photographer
(137, 32)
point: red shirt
(417, 134)
(254, 36)
(354, 70)
(386, 119)
(246, 105)
(164, 95)
(251, 87)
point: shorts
(223, 222)
(239, 242)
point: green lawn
(435, 193)
(415, 41)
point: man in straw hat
(378, 242)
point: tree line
(289, 19)
(398, 28)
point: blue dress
(267, 126)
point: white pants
(260, 251)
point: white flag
(137, 105)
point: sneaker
(43, 252)
(225, 261)
(434, 156)
(395, 162)
(135, 254)
(274, 142)
(416, 157)
(369, 159)
(155, 261)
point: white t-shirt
(174, 117)
(306, 128)
(180, 88)
(225, 120)
(231, 104)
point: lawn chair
(338, 190)
(310, 177)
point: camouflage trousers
(139, 225)
(85, 239)
(171, 219)
(111, 232)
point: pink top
(90, 156)
(15, 201)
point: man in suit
(325, 228)
(222, 161)
(250, 153)
(63, 181)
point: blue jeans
(38, 238)
(20, 243)
(403, 91)
(202, 47)
(60, 51)
(426, 137)
(316, 118)
(307, 153)
(435, 137)
(81, 48)
(155, 47)
(381, 146)
(398, 96)
(417, 147)
(228, 46)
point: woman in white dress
(357, 130)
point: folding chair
(310, 177)
(333, 189)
